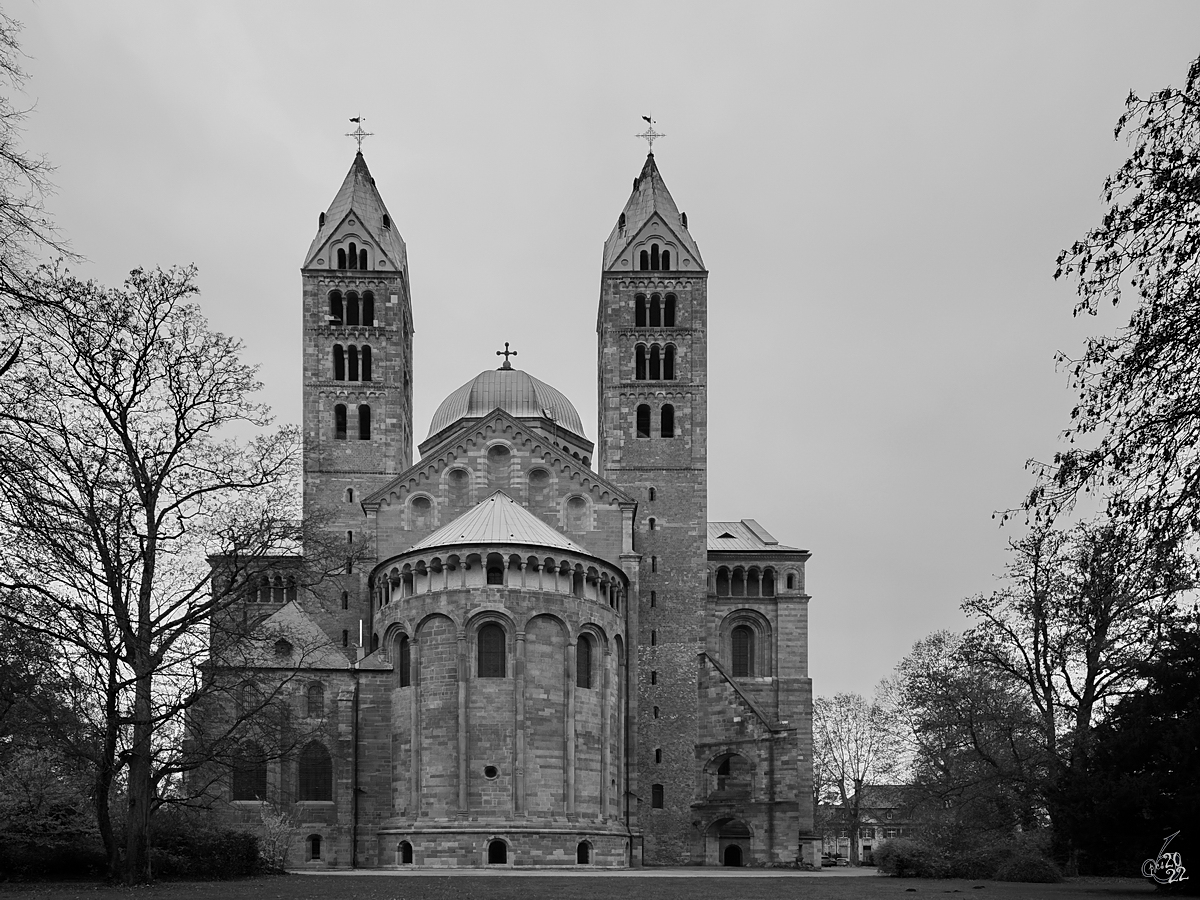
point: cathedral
(540, 651)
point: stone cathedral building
(545, 654)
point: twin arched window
(339, 422)
(352, 257)
(658, 313)
(351, 363)
(351, 309)
(666, 421)
(654, 259)
(656, 365)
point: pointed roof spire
(359, 195)
(650, 196)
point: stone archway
(728, 842)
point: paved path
(573, 872)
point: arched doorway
(728, 842)
(583, 854)
(404, 853)
(497, 853)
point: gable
(352, 236)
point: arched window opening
(791, 582)
(576, 514)
(653, 494)
(742, 640)
(654, 261)
(621, 222)
(643, 421)
(497, 853)
(666, 260)
(404, 851)
(368, 308)
(639, 371)
(364, 422)
(352, 309)
(316, 701)
(753, 584)
(722, 582)
(365, 363)
(404, 661)
(339, 422)
(653, 599)
(669, 311)
(499, 466)
(341, 258)
(316, 773)
(651, 523)
(291, 589)
(768, 583)
(656, 796)
(249, 773)
(583, 662)
(653, 638)
(667, 425)
(352, 360)
(655, 311)
(583, 853)
(336, 309)
(577, 583)
(353, 255)
(345, 638)
(312, 847)
(655, 363)
(669, 363)
(362, 259)
(658, 755)
(491, 651)
(277, 591)
(639, 311)
(345, 599)
(654, 676)
(656, 712)
(654, 564)
(738, 583)
(349, 495)
(495, 569)
(644, 260)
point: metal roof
(517, 393)
(746, 535)
(498, 520)
(358, 193)
(650, 196)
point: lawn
(595, 887)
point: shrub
(981, 862)
(1032, 867)
(909, 859)
(189, 845)
(60, 860)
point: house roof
(747, 536)
(499, 519)
(650, 196)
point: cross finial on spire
(650, 135)
(358, 134)
(506, 353)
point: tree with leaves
(855, 747)
(1135, 430)
(131, 454)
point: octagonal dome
(517, 393)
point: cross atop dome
(506, 353)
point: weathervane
(358, 134)
(650, 135)
(506, 353)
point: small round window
(490, 771)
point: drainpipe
(354, 773)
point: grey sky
(879, 191)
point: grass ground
(596, 887)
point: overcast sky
(879, 191)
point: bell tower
(357, 362)
(653, 425)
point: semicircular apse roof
(517, 393)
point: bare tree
(855, 744)
(120, 477)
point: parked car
(840, 860)
(826, 860)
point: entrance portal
(733, 855)
(497, 853)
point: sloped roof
(746, 535)
(358, 194)
(650, 196)
(517, 393)
(312, 648)
(499, 519)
